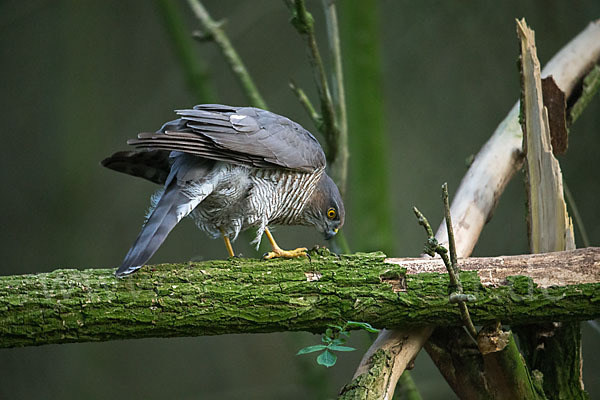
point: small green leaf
(327, 359)
(329, 332)
(338, 341)
(311, 349)
(344, 333)
(336, 347)
(362, 325)
(326, 339)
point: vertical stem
(433, 247)
(448, 217)
(304, 23)
(340, 167)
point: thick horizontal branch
(244, 296)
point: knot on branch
(304, 23)
(432, 246)
(456, 297)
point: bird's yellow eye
(331, 213)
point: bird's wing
(245, 136)
(151, 165)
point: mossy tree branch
(244, 295)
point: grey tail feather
(161, 221)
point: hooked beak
(330, 233)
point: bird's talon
(279, 253)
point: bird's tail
(172, 206)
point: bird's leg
(279, 253)
(228, 244)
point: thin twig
(424, 223)
(217, 33)
(310, 109)
(466, 317)
(304, 24)
(431, 248)
(448, 218)
(453, 267)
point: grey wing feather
(153, 165)
(247, 136)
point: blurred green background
(78, 78)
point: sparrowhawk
(230, 168)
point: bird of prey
(230, 168)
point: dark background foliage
(80, 77)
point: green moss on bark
(246, 296)
(368, 385)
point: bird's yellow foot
(279, 253)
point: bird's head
(325, 209)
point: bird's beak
(330, 233)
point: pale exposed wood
(546, 269)
(550, 227)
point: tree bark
(393, 352)
(245, 296)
